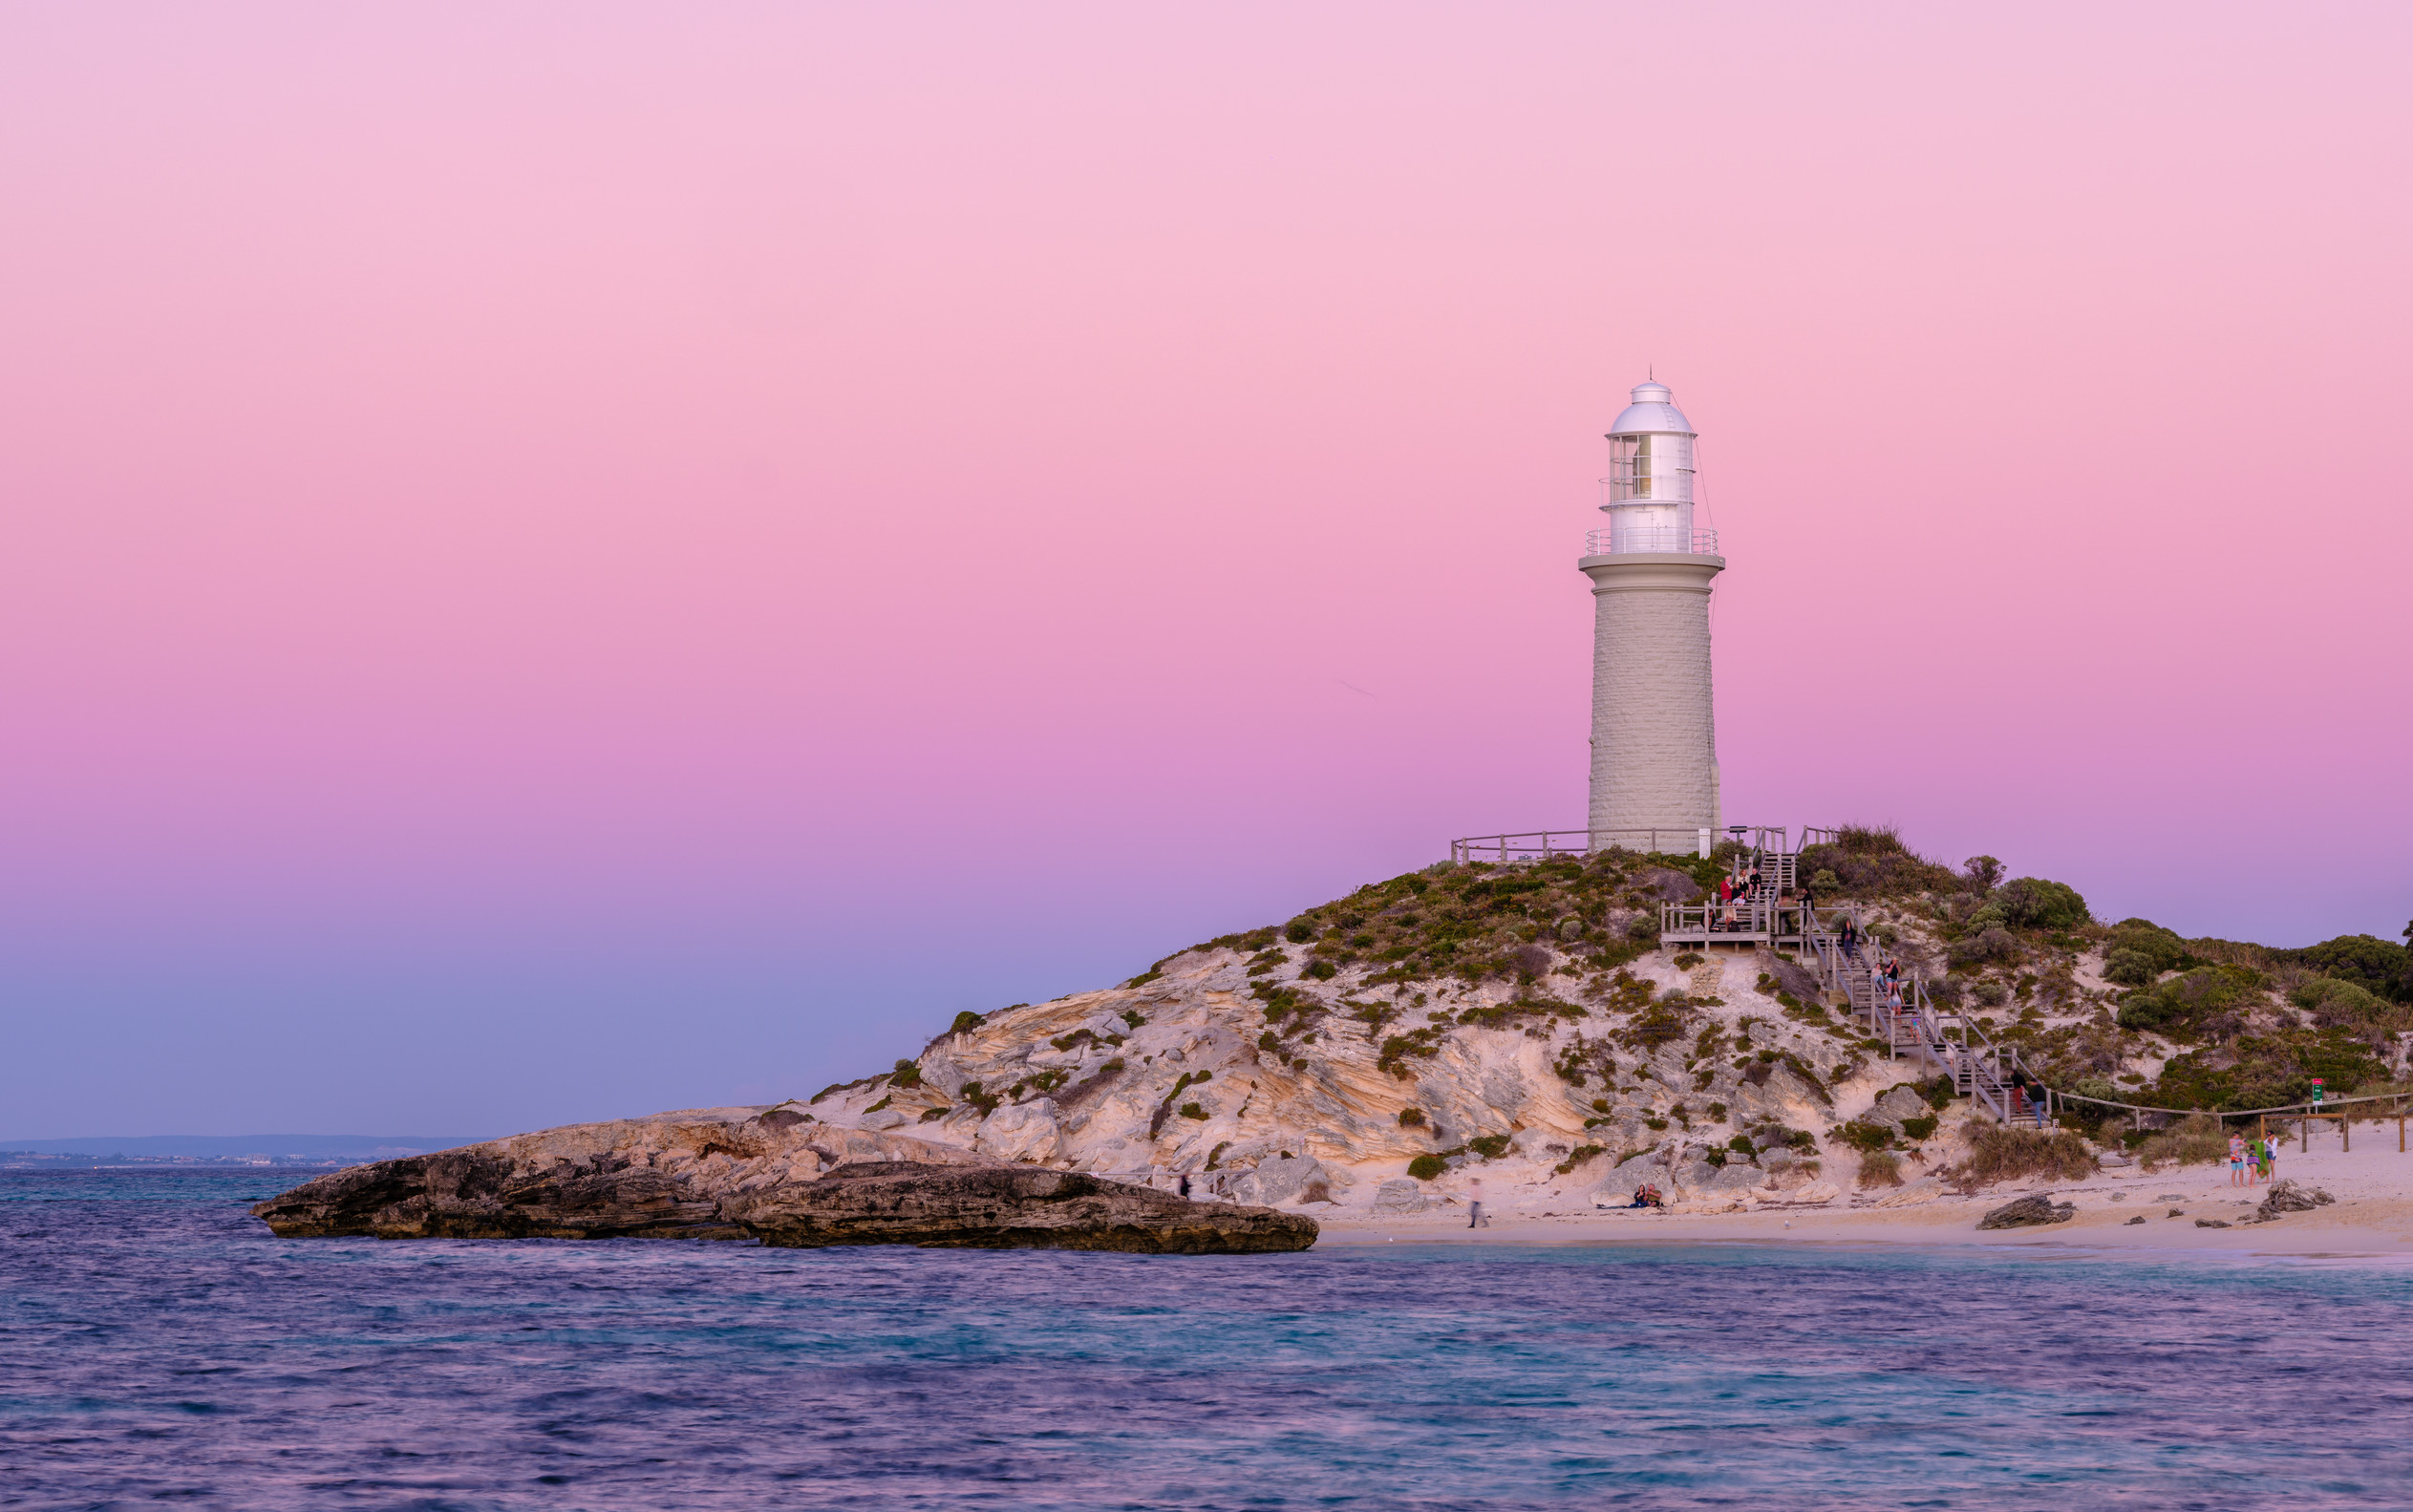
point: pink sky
(558, 563)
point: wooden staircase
(1983, 1069)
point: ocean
(158, 1346)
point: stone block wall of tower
(1653, 724)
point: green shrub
(2162, 947)
(1299, 931)
(2375, 964)
(1866, 1136)
(1991, 945)
(933, 1114)
(2264, 1071)
(1132, 1017)
(1490, 1147)
(1411, 1118)
(1880, 1168)
(1191, 1110)
(2198, 1141)
(1989, 993)
(1426, 1167)
(2208, 1001)
(1578, 1155)
(1321, 971)
(2002, 1152)
(986, 1102)
(1686, 960)
(2339, 1004)
(906, 1075)
(1741, 1144)
(2031, 903)
(2129, 968)
(1217, 1154)
(1919, 1128)
(966, 1022)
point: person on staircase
(1725, 903)
(1848, 937)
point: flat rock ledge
(767, 1176)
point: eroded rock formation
(770, 1175)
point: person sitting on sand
(1645, 1196)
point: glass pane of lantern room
(1622, 466)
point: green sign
(2317, 1088)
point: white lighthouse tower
(1653, 733)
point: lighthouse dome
(1653, 410)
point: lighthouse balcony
(1655, 539)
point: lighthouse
(1653, 731)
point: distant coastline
(152, 1151)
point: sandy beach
(2373, 1215)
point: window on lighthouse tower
(1647, 467)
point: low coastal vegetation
(1519, 1020)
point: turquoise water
(158, 1344)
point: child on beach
(2236, 1160)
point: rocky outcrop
(774, 1175)
(2286, 1196)
(2029, 1211)
(1010, 1207)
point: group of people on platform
(1737, 896)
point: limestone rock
(1737, 1177)
(1926, 1189)
(1275, 1180)
(744, 1174)
(1401, 1195)
(992, 1207)
(2286, 1196)
(2027, 1212)
(1025, 1131)
(659, 1178)
(1899, 1104)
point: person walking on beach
(2236, 1160)
(1474, 1205)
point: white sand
(2373, 1214)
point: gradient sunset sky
(558, 562)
